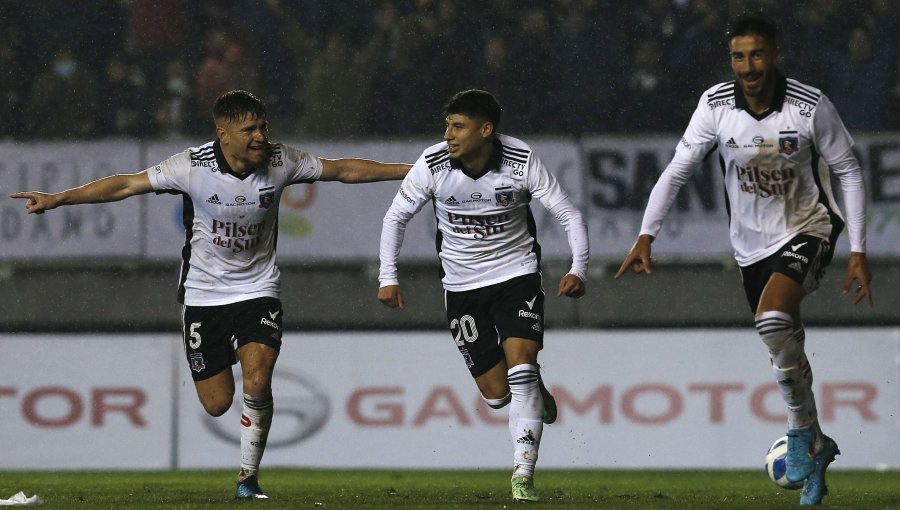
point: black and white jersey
(485, 229)
(775, 166)
(231, 221)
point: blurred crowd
(384, 68)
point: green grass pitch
(406, 489)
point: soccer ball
(776, 467)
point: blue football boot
(800, 460)
(250, 489)
(814, 488)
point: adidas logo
(796, 267)
(537, 327)
(214, 200)
(451, 201)
(731, 142)
(528, 438)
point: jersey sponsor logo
(797, 256)
(806, 109)
(480, 227)
(537, 327)
(440, 167)
(685, 143)
(731, 144)
(270, 323)
(476, 197)
(795, 247)
(796, 267)
(515, 165)
(766, 182)
(239, 201)
(274, 314)
(214, 200)
(758, 142)
(718, 103)
(451, 201)
(529, 315)
(236, 237)
(203, 163)
(530, 304)
(406, 197)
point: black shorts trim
(480, 320)
(212, 334)
(802, 259)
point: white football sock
(525, 425)
(792, 371)
(256, 419)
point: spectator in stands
(337, 89)
(536, 70)
(62, 101)
(158, 33)
(648, 89)
(862, 82)
(175, 115)
(13, 89)
(122, 95)
(225, 65)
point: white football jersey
(485, 229)
(231, 221)
(775, 165)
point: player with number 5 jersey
(229, 286)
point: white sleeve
(301, 166)
(698, 140)
(171, 174)
(545, 187)
(835, 145)
(415, 191)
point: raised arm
(108, 189)
(354, 170)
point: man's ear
(487, 129)
(220, 132)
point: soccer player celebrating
(229, 283)
(777, 139)
(480, 184)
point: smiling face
(245, 142)
(467, 138)
(753, 61)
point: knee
(497, 402)
(216, 408)
(775, 329)
(258, 385)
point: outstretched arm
(354, 170)
(108, 189)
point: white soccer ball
(776, 466)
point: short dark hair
(236, 104)
(475, 103)
(753, 23)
